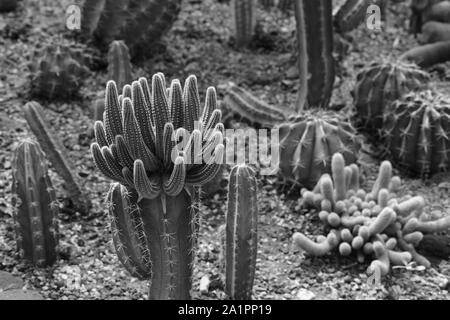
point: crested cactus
(119, 64)
(137, 22)
(416, 131)
(55, 151)
(351, 14)
(244, 20)
(315, 49)
(308, 143)
(36, 208)
(8, 5)
(379, 84)
(57, 73)
(138, 145)
(428, 54)
(241, 233)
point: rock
(19, 294)
(9, 282)
(304, 294)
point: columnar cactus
(241, 233)
(119, 64)
(429, 54)
(315, 52)
(350, 15)
(138, 145)
(244, 20)
(381, 83)
(57, 73)
(416, 130)
(140, 23)
(55, 151)
(307, 144)
(36, 208)
(8, 5)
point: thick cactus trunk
(315, 48)
(241, 233)
(244, 18)
(35, 201)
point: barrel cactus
(161, 147)
(416, 130)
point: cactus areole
(138, 145)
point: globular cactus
(119, 64)
(57, 73)
(416, 130)
(56, 152)
(379, 84)
(244, 20)
(429, 54)
(308, 143)
(351, 14)
(36, 208)
(241, 233)
(315, 52)
(8, 5)
(138, 145)
(140, 23)
(242, 103)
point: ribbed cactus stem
(241, 233)
(35, 203)
(119, 64)
(338, 171)
(244, 19)
(351, 14)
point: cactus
(427, 55)
(55, 151)
(350, 15)
(136, 146)
(97, 109)
(434, 31)
(244, 104)
(139, 23)
(57, 73)
(8, 5)
(427, 10)
(379, 84)
(244, 20)
(308, 143)
(416, 133)
(35, 202)
(315, 48)
(241, 233)
(119, 64)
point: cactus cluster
(35, 205)
(55, 151)
(119, 64)
(380, 83)
(244, 20)
(57, 72)
(363, 224)
(138, 145)
(140, 23)
(241, 233)
(416, 131)
(350, 15)
(8, 5)
(308, 143)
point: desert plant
(315, 48)
(8, 5)
(119, 64)
(55, 151)
(138, 146)
(244, 20)
(36, 208)
(434, 31)
(350, 15)
(429, 54)
(416, 131)
(428, 10)
(241, 233)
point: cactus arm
(176, 104)
(244, 20)
(313, 248)
(146, 187)
(143, 115)
(338, 170)
(113, 116)
(175, 183)
(427, 55)
(382, 221)
(160, 111)
(350, 15)
(191, 99)
(100, 134)
(119, 64)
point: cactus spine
(315, 48)
(241, 233)
(35, 202)
(119, 64)
(55, 150)
(244, 19)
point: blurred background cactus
(8, 5)
(244, 20)
(119, 64)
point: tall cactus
(119, 64)
(138, 146)
(55, 151)
(315, 49)
(35, 202)
(244, 20)
(241, 233)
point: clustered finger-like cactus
(55, 151)
(428, 54)
(119, 64)
(157, 143)
(8, 5)
(428, 10)
(241, 102)
(416, 129)
(350, 15)
(244, 20)
(364, 224)
(36, 208)
(57, 73)
(315, 52)
(308, 143)
(378, 85)
(241, 233)
(140, 23)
